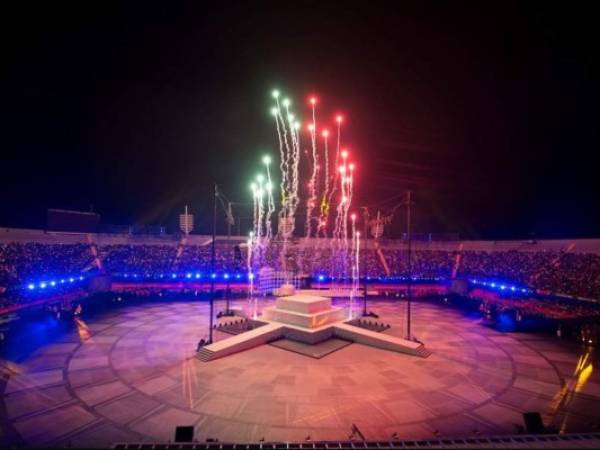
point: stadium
(299, 226)
(511, 327)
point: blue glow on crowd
(41, 285)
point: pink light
(313, 100)
(351, 165)
(344, 199)
(325, 133)
(358, 234)
(344, 153)
(339, 119)
(342, 169)
(353, 216)
(311, 127)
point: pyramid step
(422, 352)
(205, 355)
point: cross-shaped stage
(309, 319)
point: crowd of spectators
(534, 307)
(569, 317)
(23, 262)
(199, 258)
(140, 258)
(575, 274)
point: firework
(331, 180)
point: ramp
(379, 340)
(240, 342)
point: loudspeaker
(533, 423)
(184, 434)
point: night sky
(488, 112)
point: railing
(525, 441)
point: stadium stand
(570, 268)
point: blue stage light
(512, 288)
(502, 287)
(62, 281)
(251, 276)
(42, 285)
(213, 275)
(173, 275)
(493, 284)
(226, 276)
(71, 280)
(238, 276)
(198, 275)
(188, 275)
(53, 283)
(80, 278)
(321, 277)
(523, 290)
(31, 286)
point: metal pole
(229, 217)
(365, 269)
(213, 263)
(186, 228)
(408, 291)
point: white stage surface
(309, 319)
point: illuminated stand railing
(183, 276)
(268, 278)
(51, 284)
(500, 286)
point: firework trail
(295, 164)
(270, 200)
(356, 277)
(347, 203)
(257, 221)
(289, 152)
(260, 244)
(337, 234)
(250, 273)
(254, 188)
(339, 119)
(354, 265)
(287, 155)
(323, 188)
(282, 159)
(312, 184)
(288, 165)
(340, 233)
(322, 228)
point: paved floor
(129, 375)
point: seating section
(552, 270)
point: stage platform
(310, 320)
